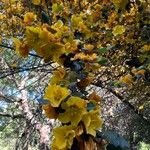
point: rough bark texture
(44, 130)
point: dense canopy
(75, 74)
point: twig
(11, 115)
(9, 47)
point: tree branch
(9, 47)
(17, 70)
(5, 98)
(126, 102)
(136, 111)
(11, 115)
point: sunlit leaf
(118, 30)
(56, 8)
(127, 79)
(120, 4)
(22, 48)
(29, 17)
(102, 60)
(0, 40)
(145, 48)
(58, 76)
(89, 47)
(85, 57)
(36, 2)
(141, 107)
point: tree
(83, 44)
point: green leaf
(45, 18)
(102, 60)
(90, 106)
(56, 8)
(103, 50)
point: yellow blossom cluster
(74, 111)
(84, 38)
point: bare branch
(14, 71)
(126, 102)
(11, 115)
(9, 47)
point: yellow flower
(120, 4)
(46, 35)
(85, 30)
(92, 67)
(56, 94)
(58, 76)
(29, 17)
(127, 79)
(63, 138)
(92, 122)
(36, 2)
(89, 47)
(44, 43)
(85, 57)
(75, 108)
(22, 48)
(75, 20)
(2, 16)
(49, 111)
(145, 48)
(119, 29)
(71, 46)
(76, 101)
(58, 25)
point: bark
(11, 115)
(43, 130)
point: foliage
(144, 146)
(104, 43)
